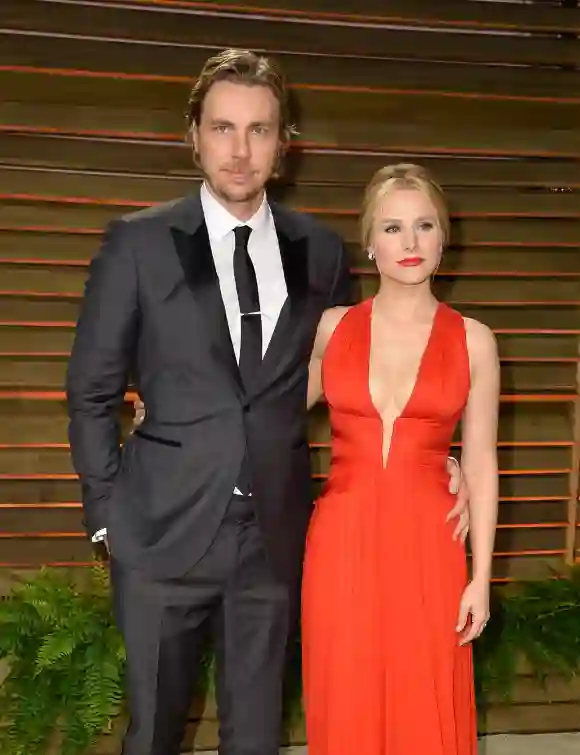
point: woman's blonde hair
(402, 176)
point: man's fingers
(463, 526)
(455, 511)
(139, 408)
(460, 532)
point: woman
(388, 611)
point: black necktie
(249, 300)
(251, 326)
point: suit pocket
(157, 439)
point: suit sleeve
(342, 293)
(98, 370)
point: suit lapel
(294, 253)
(193, 249)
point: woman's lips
(411, 261)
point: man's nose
(241, 145)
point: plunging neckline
(418, 375)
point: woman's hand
(474, 605)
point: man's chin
(241, 194)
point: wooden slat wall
(486, 94)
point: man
(206, 506)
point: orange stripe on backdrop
(50, 534)
(52, 229)
(477, 273)
(129, 397)
(87, 201)
(35, 354)
(543, 360)
(503, 473)
(83, 263)
(533, 526)
(502, 499)
(338, 88)
(83, 536)
(505, 360)
(42, 506)
(40, 476)
(537, 331)
(45, 262)
(68, 231)
(300, 145)
(41, 535)
(497, 331)
(498, 303)
(507, 554)
(317, 476)
(315, 446)
(220, 8)
(54, 564)
(20, 128)
(97, 562)
(44, 294)
(345, 211)
(36, 324)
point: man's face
(238, 140)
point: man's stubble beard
(249, 196)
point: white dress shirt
(264, 251)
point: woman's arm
(479, 465)
(328, 322)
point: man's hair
(241, 67)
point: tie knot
(242, 234)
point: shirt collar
(220, 222)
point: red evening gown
(383, 671)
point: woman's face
(406, 236)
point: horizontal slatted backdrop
(486, 94)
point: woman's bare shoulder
(331, 317)
(481, 340)
(326, 327)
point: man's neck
(243, 211)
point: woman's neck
(401, 303)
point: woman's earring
(434, 273)
(371, 254)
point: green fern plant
(66, 659)
(65, 663)
(535, 622)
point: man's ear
(194, 136)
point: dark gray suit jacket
(153, 313)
